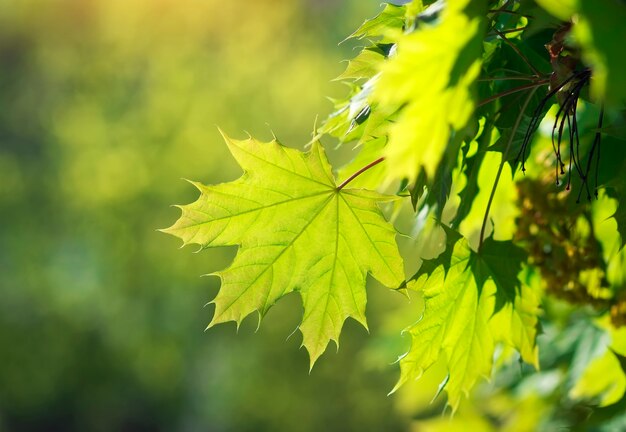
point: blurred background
(104, 106)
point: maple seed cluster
(568, 257)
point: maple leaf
(471, 302)
(297, 231)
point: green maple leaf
(297, 231)
(471, 302)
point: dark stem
(504, 159)
(508, 78)
(536, 115)
(359, 172)
(508, 12)
(532, 85)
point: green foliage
(431, 77)
(598, 28)
(478, 115)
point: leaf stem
(532, 85)
(518, 120)
(359, 172)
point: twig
(507, 78)
(533, 85)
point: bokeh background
(104, 106)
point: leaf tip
(164, 230)
(314, 355)
(223, 134)
(258, 323)
(292, 333)
(216, 274)
(195, 184)
(401, 381)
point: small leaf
(504, 207)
